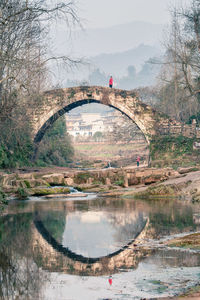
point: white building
(87, 124)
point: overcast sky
(104, 13)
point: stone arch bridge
(56, 102)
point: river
(66, 248)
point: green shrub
(16, 149)
(22, 194)
(119, 182)
(3, 199)
(55, 148)
(27, 183)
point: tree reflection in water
(20, 277)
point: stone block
(68, 181)
(108, 181)
(54, 178)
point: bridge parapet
(173, 127)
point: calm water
(66, 249)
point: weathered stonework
(57, 102)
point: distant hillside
(111, 49)
(117, 63)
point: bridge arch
(38, 137)
(57, 102)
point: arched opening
(114, 138)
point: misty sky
(107, 13)
(104, 13)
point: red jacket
(111, 81)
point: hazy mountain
(117, 63)
(111, 49)
(118, 38)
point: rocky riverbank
(137, 182)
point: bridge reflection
(53, 256)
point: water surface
(66, 249)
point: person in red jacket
(110, 280)
(111, 82)
(138, 161)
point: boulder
(68, 181)
(54, 179)
(89, 180)
(125, 182)
(25, 176)
(107, 181)
(40, 191)
(187, 170)
(7, 179)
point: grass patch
(101, 151)
(97, 182)
(158, 191)
(47, 191)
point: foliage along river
(66, 248)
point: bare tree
(23, 27)
(124, 130)
(24, 57)
(180, 87)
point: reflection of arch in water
(53, 256)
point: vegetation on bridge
(173, 151)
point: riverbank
(184, 185)
(143, 182)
